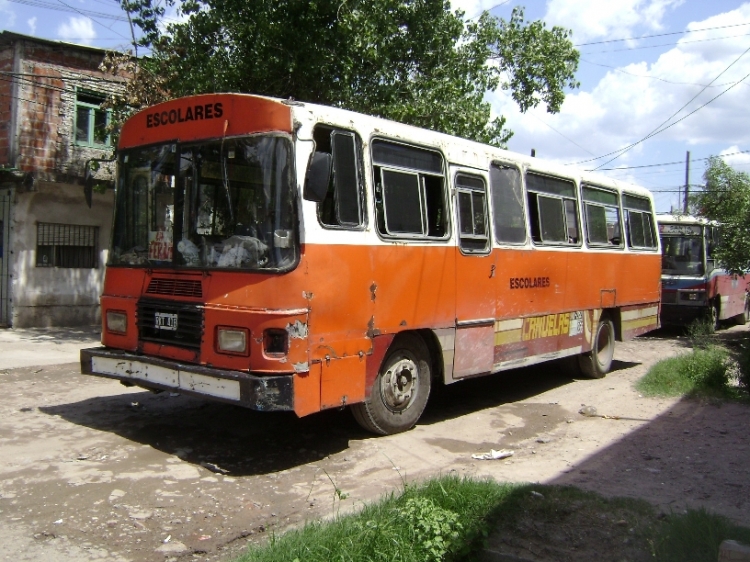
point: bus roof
(261, 113)
(670, 218)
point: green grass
(450, 519)
(444, 516)
(696, 536)
(704, 372)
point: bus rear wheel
(400, 391)
(597, 362)
(744, 316)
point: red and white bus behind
(693, 286)
(287, 256)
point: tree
(414, 61)
(726, 199)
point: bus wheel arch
(401, 388)
(596, 363)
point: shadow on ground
(696, 454)
(245, 442)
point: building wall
(56, 296)
(42, 146)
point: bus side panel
(358, 292)
(731, 291)
(533, 339)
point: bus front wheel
(597, 362)
(400, 391)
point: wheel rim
(604, 347)
(714, 316)
(399, 384)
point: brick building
(52, 243)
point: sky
(658, 79)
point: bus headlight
(231, 340)
(117, 322)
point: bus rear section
(694, 287)
(292, 257)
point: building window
(66, 245)
(91, 120)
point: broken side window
(343, 205)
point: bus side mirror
(318, 177)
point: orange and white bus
(281, 255)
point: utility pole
(687, 182)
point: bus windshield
(682, 255)
(218, 204)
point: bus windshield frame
(683, 254)
(213, 204)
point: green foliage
(726, 198)
(414, 61)
(700, 332)
(703, 372)
(441, 520)
(743, 365)
(435, 529)
(696, 536)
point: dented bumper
(267, 393)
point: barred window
(67, 245)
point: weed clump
(703, 371)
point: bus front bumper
(266, 394)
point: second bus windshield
(682, 255)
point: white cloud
(32, 25)
(77, 30)
(473, 8)
(630, 102)
(592, 19)
(8, 14)
(735, 159)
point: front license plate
(165, 321)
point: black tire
(744, 316)
(400, 391)
(713, 315)
(597, 362)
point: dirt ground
(91, 470)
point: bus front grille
(175, 287)
(170, 322)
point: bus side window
(602, 217)
(471, 198)
(507, 204)
(409, 191)
(342, 205)
(553, 210)
(639, 222)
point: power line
(668, 44)
(617, 69)
(660, 35)
(659, 129)
(65, 8)
(674, 163)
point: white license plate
(165, 321)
